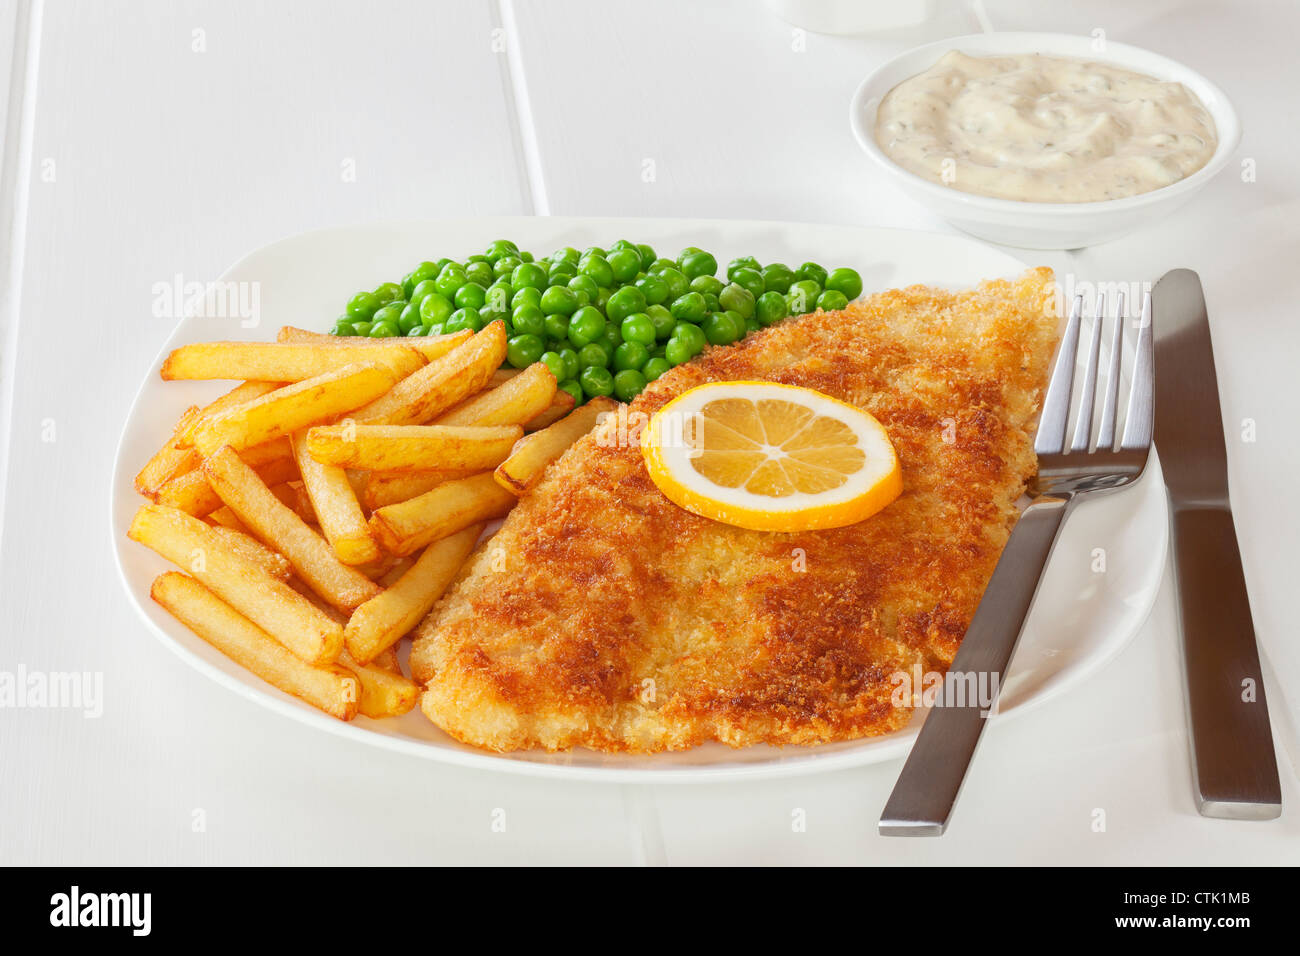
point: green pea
(559, 300)
(585, 285)
(571, 364)
(770, 308)
(711, 303)
(647, 254)
(678, 284)
(751, 325)
(389, 292)
(470, 296)
(741, 262)
(480, 272)
(525, 256)
(638, 327)
(612, 338)
(624, 302)
(556, 327)
(389, 313)
(662, 320)
(628, 384)
(690, 307)
(586, 326)
(593, 355)
(655, 367)
(528, 275)
(812, 272)
(524, 350)
(736, 298)
(594, 251)
(478, 257)
(555, 362)
(832, 300)
(489, 317)
(691, 335)
(676, 352)
(424, 272)
(748, 279)
(561, 272)
(417, 330)
(777, 277)
(451, 278)
(621, 244)
(846, 281)
(566, 254)
(706, 285)
(343, 326)
(363, 305)
(571, 386)
(654, 288)
(384, 330)
(504, 267)
(595, 381)
(435, 307)
(659, 265)
(630, 355)
(409, 318)
(500, 249)
(625, 264)
(528, 320)
(362, 328)
(526, 296)
(720, 328)
(422, 288)
(461, 319)
(597, 267)
(802, 296)
(500, 296)
(442, 264)
(602, 298)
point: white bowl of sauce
(1044, 140)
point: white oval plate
(1082, 619)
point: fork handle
(927, 789)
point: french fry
(192, 494)
(501, 376)
(383, 620)
(394, 573)
(387, 659)
(560, 406)
(384, 693)
(246, 586)
(170, 460)
(388, 489)
(241, 394)
(246, 546)
(280, 413)
(285, 361)
(430, 346)
(226, 518)
(523, 469)
(408, 526)
(278, 526)
(293, 496)
(441, 384)
(525, 396)
(379, 570)
(332, 688)
(406, 448)
(334, 502)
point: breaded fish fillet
(602, 615)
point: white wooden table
(150, 138)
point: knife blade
(1234, 767)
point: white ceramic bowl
(1036, 225)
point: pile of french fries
(321, 508)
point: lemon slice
(770, 457)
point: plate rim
(807, 760)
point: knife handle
(926, 792)
(1234, 768)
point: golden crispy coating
(602, 615)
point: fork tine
(1141, 404)
(1050, 439)
(1110, 403)
(1088, 398)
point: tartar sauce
(1044, 129)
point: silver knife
(1234, 768)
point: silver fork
(1068, 468)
